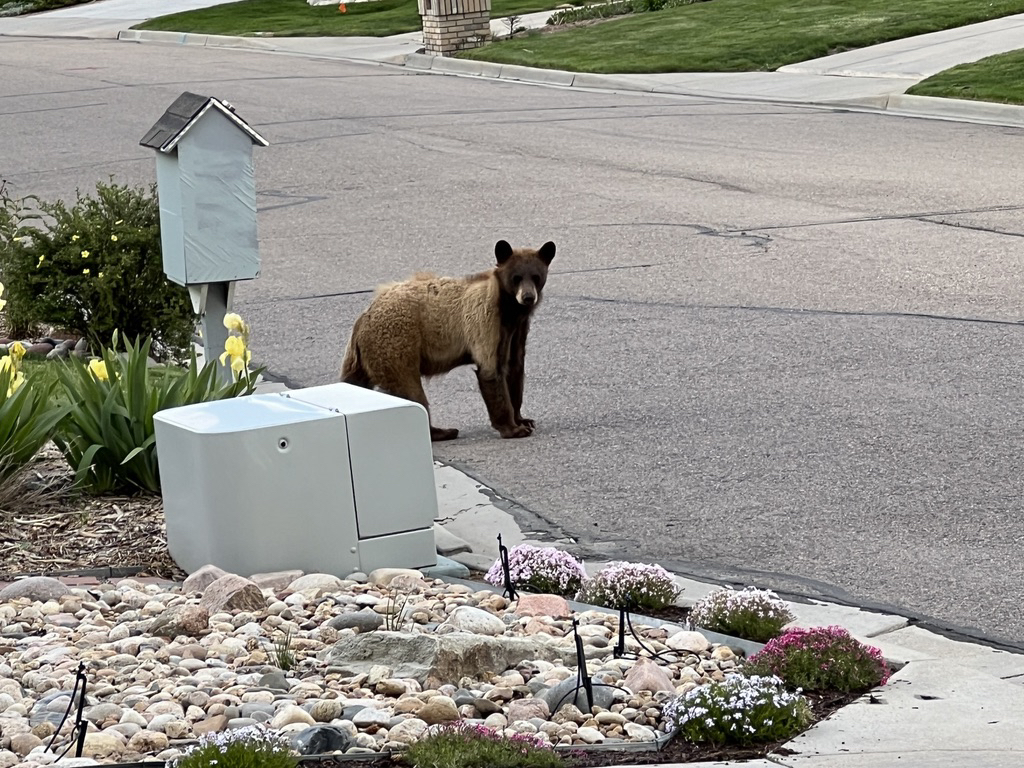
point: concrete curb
(960, 110)
(188, 38)
(956, 109)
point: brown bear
(429, 325)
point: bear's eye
(517, 280)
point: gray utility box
(330, 479)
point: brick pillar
(450, 26)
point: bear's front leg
(517, 374)
(494, 389)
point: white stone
(476, 621)
(408, 731)
(290, 714)
(694, 642)
(590, 735)
(639, 732)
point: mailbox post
(207, 194)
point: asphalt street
(779, 345)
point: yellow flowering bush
(93, 267)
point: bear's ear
(547, 252)
(502, 251)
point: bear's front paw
(516, 431)
(529, 423)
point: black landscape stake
(620, 647)
(80, 726)
(510, 587)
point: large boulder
(446, 657)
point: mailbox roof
(185, 112)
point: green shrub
(476, 746)
(753, 614)
(630, 587)
(93, 268)
(250, 747)
(27, 418)
(820, 659)
(739, 711)
(108, 437)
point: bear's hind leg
(411, 388)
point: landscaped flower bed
(312, 658)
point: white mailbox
(329, 479)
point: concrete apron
(952, 703)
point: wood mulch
(49, 527)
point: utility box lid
(242, 414)
(348, 399)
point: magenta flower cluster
(630, 586)
(540, 569)
(821, 658)
(526, 741)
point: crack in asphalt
(919, 216)
(790, 310)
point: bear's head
(522, 272)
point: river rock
(440, 709)
(561, 694)
(364, 621)
(543, 605)
(200, 579)
(232, 593)
(289, 715)
(275, 580)
(325, 582)
(694, 642)
(319, 739)
(383, 577)
(475, 621)
(408, 731)
(526, 709)
(645, 675)
(188, 620)
(37, 588)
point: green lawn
(997, 78)
(737, 35)
(296, 18)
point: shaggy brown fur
(429, 325)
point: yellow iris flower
(98, 368)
